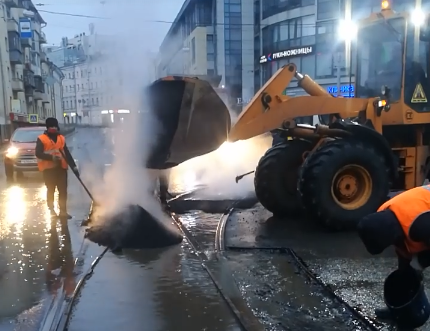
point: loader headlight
(12, 152)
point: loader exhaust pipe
(310, 86)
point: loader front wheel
(343, 181)
(276, 177)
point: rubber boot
(65, 215)
(52, 213)
(383, 314)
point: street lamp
(418, 17)
(347, 32)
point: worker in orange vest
(402, 222)
(54, 167)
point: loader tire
(342, 181)
(276, 177)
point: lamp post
(347, 32)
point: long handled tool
(241, 176)
(78, 177)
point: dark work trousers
(56, 178)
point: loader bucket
(192, 120)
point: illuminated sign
(116, 111)
(345, 90)
(292, 52)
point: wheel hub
(347, 186)
(351, 187)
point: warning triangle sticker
(419, 96)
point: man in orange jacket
(50, 148)
(402, 222)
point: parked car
(20, 155)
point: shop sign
(292, 52)
(345, 90)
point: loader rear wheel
(276, 177)
(343, 181)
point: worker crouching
(402, 222)
(53, 158)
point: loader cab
(393, 51)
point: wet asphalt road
(338, 259)
(158, 289)
(167, 288)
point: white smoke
(131, 56)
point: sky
(133, 18)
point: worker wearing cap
(402, 222)
(50, 148)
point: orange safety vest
(407, 206)
(52, 148)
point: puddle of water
(163, 289)
(203, 228)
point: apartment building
(89, 87)
(213, 38)
(30, 84)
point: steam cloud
(126, 181)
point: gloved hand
(416, 264)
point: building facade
(305, 32)
(27, 78)
(213, 38)
(89, 87)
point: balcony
(17, 85)
(12, 25)
(45, 98)
(43, 57)
(43, 38)
(37, 95)
(26, 42)
(11, 3)
(29, 79)
(39, 85)
(15, 56)
(37, 71)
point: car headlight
(12, 152)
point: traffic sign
(33, 118)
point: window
(328, 9)
(324, 60)
(210, 43)
(210, 57)
(233, 34)
(283, 31)
(308, 65)
(97, 101)
(211, 72)
(193, 50)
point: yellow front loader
(339, 171)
